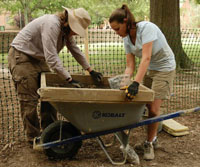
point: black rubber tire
(52, 133)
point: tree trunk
(166, 15)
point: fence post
(86, 49)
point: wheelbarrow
(91, 112)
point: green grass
(3, 58)
(97, 55)
(193, 52)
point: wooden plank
(63, 94)
(142, 87)
(43, 80)
(174, 133)
(95, 95)
(173, 126)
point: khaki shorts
(160, 82)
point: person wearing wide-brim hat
(34, 50)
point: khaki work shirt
(43, 39)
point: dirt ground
(181, 151)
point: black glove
(97, 76)
(132, 90)
(75, 83)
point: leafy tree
(98, 9)
(190, 18)
(101, 9)
(31, 8)
(197, 1)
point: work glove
(97, 76)
(75, 83)
(132, 90)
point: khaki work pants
(26, 72)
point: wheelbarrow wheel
(52, 133)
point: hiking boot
(132, 156)
(140, 147)
(148, 151)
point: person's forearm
(130, 64)
(77, 54)
(129, 71)
(89, 69)
(142, 69)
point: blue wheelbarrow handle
(141, 123)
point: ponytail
(64, 22)
(120, 14)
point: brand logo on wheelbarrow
(98, 114)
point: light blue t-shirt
(162, 58)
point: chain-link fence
(107, 55)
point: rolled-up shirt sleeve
(50, 33)
(76, 53)
(149, 34)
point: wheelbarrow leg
(111, 143)
(127, 150)
(122, 137)
(107, 154)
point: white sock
(154, 139)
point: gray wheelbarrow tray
(96, 111)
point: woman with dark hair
(156, 69)
(34, 50)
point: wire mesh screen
(69, 62)
(186, 93)
(11, 127)
(106, 51)
(106, 55)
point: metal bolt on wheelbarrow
(92, 113)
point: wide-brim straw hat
(78, 19)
